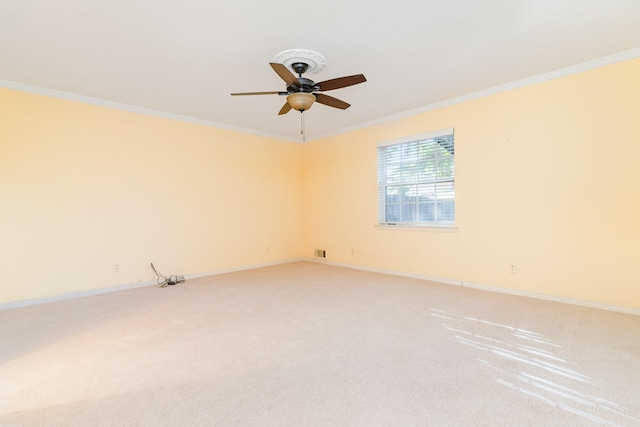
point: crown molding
(539, 78)
(551, 75)
(68, 96)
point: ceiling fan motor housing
(306, 85)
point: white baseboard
(383, 271)
(73, 295)
(138, 284)
(248, 267)
(620, 309)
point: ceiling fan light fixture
(301, 101)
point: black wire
(164, 280)
(162, 283)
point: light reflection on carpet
(527, 362)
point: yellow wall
(83, 187)
(546, 175)
(547, 178)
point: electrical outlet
(116, 268)
(353, 251)
(512, 268)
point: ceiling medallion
(315, 60)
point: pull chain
(302, 125)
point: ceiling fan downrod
(300, 68)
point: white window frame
(436, 225)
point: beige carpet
(306, 344)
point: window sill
(417, 227)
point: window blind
(416, 183)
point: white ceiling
(184, 57)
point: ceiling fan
(301, 92)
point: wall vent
(320, 253)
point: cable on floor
(163, 280)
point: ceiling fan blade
(285, 74)
(341, 82)
(259, 93)
(285, 109)
(331, 101)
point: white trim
(551, 75)
(562, 72)
(401, 227)
(138, 284)
(74, 295)
(419, 137)
(562, 300)
(135, 109)
(247, 267)
(384, 271)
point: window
(416, 180)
